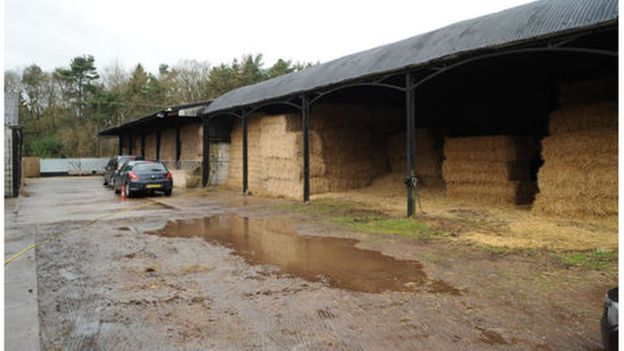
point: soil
(218, 270)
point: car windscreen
(149, 167)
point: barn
(516, 108)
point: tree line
(62, 111)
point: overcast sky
(51, 32)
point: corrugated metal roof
(536, 20)
(184, 113)
(11, 108)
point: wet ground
(216, 270)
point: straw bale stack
(428, 156)
(191, 136)
(579, 178)
(150, 146)
(30, 167)
(350, 154)
(343, 152)
(168, 145)
(579, 118)
(274, 156)
(591, 91)
(493, 169)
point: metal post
(158, 136)
(143, 145)
(305, 113)
(205, 153)
(120, 145)
(245, 170)
(410, 116)
(178, 147)
(130, 143)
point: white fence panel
(72, 166)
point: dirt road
(219, 271)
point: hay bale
(490, 148)
(579, 178)
(493, 169)
(30, 167)
(484, 171)
(428, 156)
(591, 91)
(512, 192)
(582, 118)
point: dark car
(609, 321)
(113, 166)
(143, 177)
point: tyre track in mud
(124, 289)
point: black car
(143, 177)
(113, 166)
(609, 321)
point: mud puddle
(333, 261)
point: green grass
(363, 220)
(594, 259)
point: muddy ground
(219, 271)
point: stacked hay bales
(345, 152)
(494, 169)
(579, 176)
(30, 167)
(428, 156)
(168, 147)
(150, 146)
(274, 156)
(191, 142)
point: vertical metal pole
(120, 144)
(143, 145)
(178, 148)
(410, 116)
(305, 113)
(245, 169)
(158, 136)
(130, 143)
(205, 153)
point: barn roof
(174, 115)
(520, 25)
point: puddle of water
(334, 261)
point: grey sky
(51, 32)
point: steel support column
(158, 136)
(245, 117)
(410, 116)
(178, 146)
(205, 153)
(305, 114)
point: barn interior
(532, 129)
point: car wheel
(168, 192)
(127, 191)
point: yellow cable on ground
(35, 244)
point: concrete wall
(219, 163)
